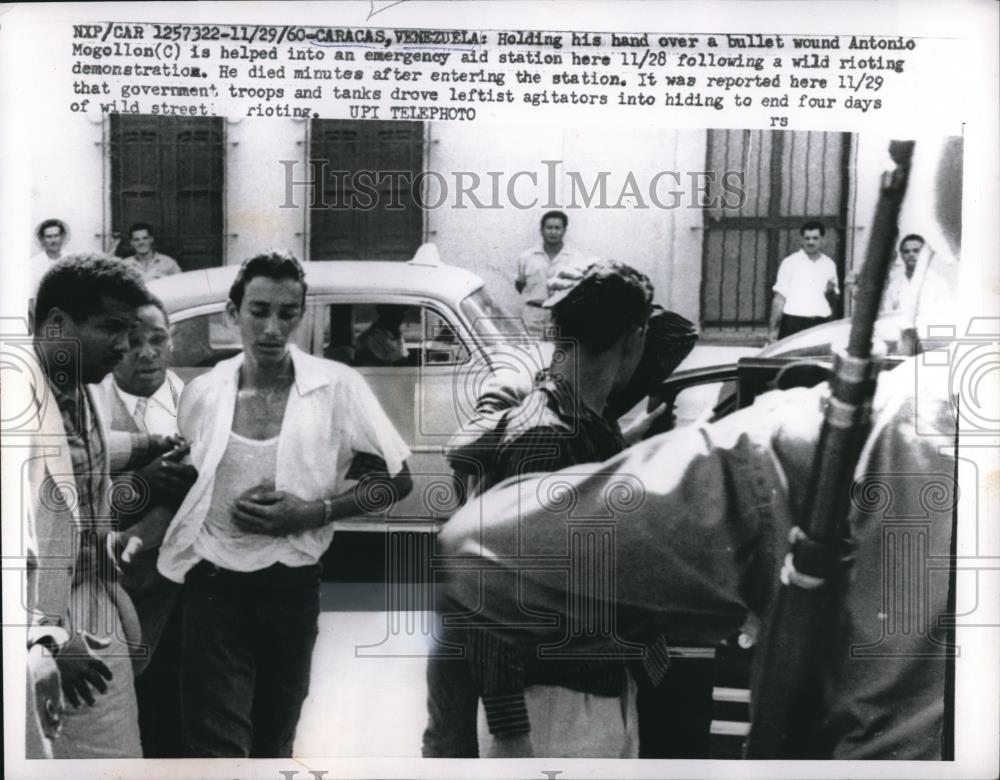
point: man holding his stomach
(248, 538)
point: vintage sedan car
(455, 338)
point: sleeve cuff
(138, 450)
(42, 634)
(507, 714)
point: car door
(414, 385)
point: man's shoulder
(174, 380)
(104, 390)
(167, 260)
(330, 372)
(220, 373)
(535, 417)
(569, 252)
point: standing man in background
(148, 262)
(536, 265)
(51, 235)
(806, 289)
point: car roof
(435, 281)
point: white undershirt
(245, 464)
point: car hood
(826, 339)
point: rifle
(788, 695)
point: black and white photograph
(391, 392)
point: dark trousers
(792, 324)
(675, 717)
(158, 692)
(452, 709)
(247, 643)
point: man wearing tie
(142, 391)
(140, 399)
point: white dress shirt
(803, 283)
(331, 415)
(160, 414)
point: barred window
(364, 207)
(169, 172)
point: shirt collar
(540, 249)
(307, 378)
(162, 397)
(561, 392)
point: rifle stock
(788, 690)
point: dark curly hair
(77, 283)
(274, 265)
(610, 301)
(49, 223)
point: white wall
(663, 243)
(256, 189)
(70, 182)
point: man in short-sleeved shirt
(146, 260)
(806, 289)
(51, 235)
(248, 538)
(536, 265)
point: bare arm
(278, 513)
(777, 308)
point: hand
(49, 702)
(772, 335)
(514, 746)
(830, 293)
(160, 444)
(122, 547)
(264, 510)
(569, 275)
(908, 342)
(80, 670)
(167, 479)
(640, 425)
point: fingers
(266, 497)
(245, 516)
(132, 548)
(657, 412)
(98, 643)
(111, 544)
(177, 453)
(122, 547)
(96, 672)
(52, 717)
(69, 692)
(263, 486)
(85, 692)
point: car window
(389, 334)
(203, 340)
(442, 346)
(491, 320)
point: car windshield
(490, 319)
